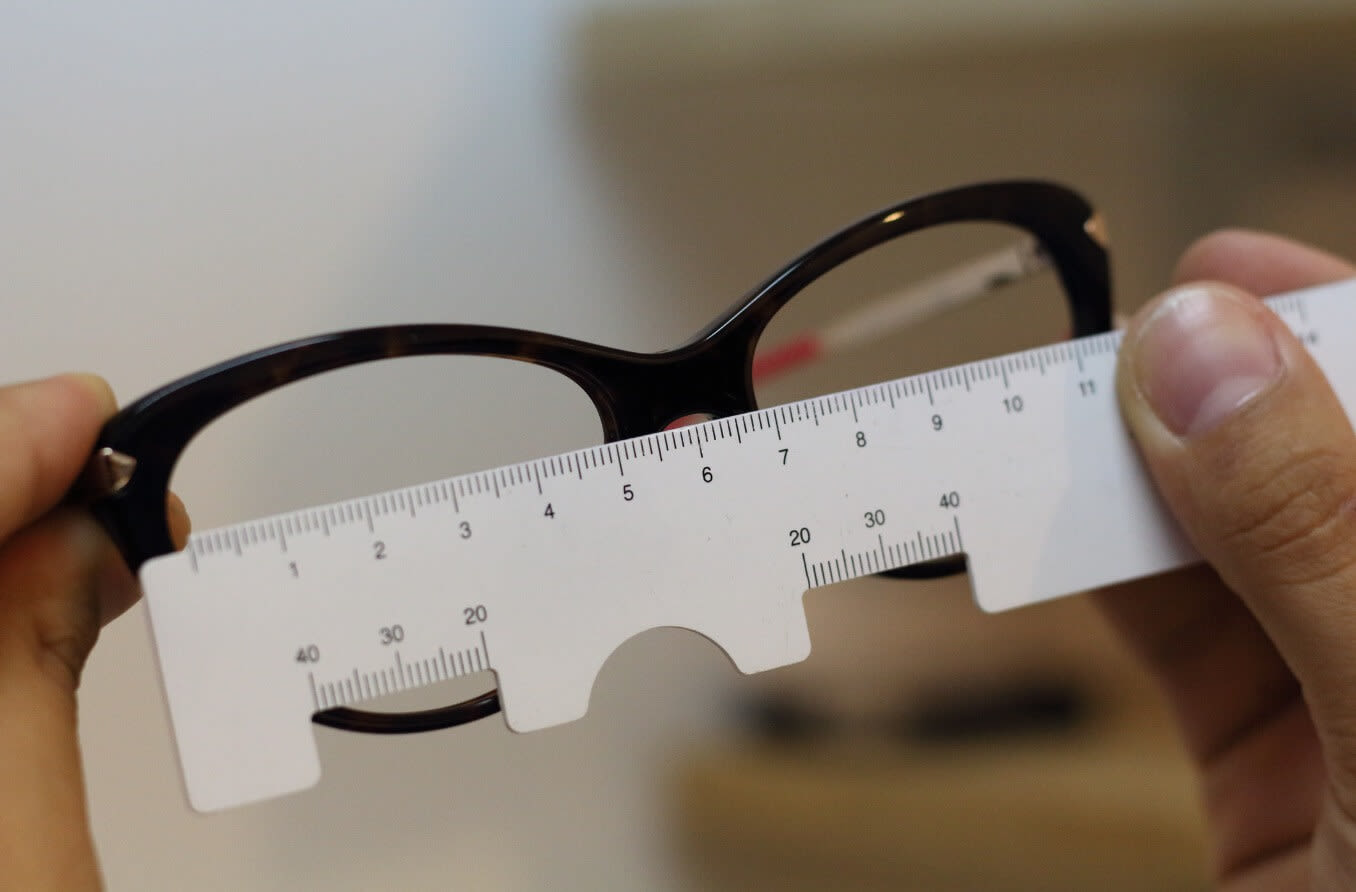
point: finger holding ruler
(538, 571)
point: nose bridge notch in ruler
(541, 569)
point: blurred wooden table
(1109, 803)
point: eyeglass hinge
(1095, 227)
(108, 472)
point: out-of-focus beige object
(1108, 803)
(1105, 813)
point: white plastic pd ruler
(540, 570)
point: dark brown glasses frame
(634, 393)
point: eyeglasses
(716, 374)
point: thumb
(1256, 458)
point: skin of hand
(1256, 651)
(61, 580)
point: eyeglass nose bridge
(674, 389)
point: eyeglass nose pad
(689, 419)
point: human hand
(61, 579)
(1256, 650)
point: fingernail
(1202, 355)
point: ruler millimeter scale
(540, 570)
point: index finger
(47, 429)
(1259, 262)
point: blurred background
(181, 184)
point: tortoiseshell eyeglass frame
(635, 393)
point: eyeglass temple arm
(898, 310)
